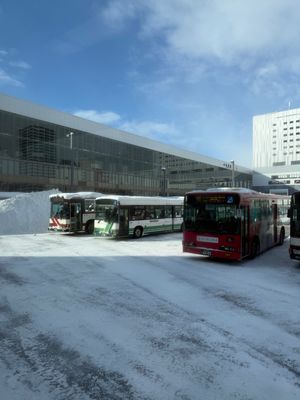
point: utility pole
(70, 135)
(164, 180)
(232, 173)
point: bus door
(245, 216)
(75, 220)
(123, 222)
(275, 221)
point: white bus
(73, 212)
(135, 216)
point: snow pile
(25, 213)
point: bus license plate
(205, 252)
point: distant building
(276, 151)
(41, 149)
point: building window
(278, 164)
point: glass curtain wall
(36, 155)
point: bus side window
(178, 211)
(160, 212)
(168, 212)
(138, 213)
(89, 205)
(150, 213)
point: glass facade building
(41, 149)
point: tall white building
(276, 151)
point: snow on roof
(83, 195)
(144, 200)
(231, 189)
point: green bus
(135, 216)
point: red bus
(73, 212)
(233, 223)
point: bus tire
(138, 232)
(89, 227)
(255, 248)
(281, 237)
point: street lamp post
(232, 173)
(70, 135)
(164, 180)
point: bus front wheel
(138, 232)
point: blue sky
(191, 73)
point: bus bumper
(212, 253)
(294, 253)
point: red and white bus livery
(233, 223)
(73, 212)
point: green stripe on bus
(157, 228)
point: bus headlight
(227, 248)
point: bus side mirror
(289, 213)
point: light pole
(164, 180)
(70, 135)
(232, 173)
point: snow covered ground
(83, 317)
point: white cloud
(20, 64)
(117, 12)
(107, 117)
(229, 32)
(6, 79)
(155, 130)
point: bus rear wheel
(89, 227)
(138, 232)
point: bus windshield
(60, 210)
(212, 218)
(106, 212)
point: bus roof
(144, 200)
(81, 195)
(231, 189)
(241, 191)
